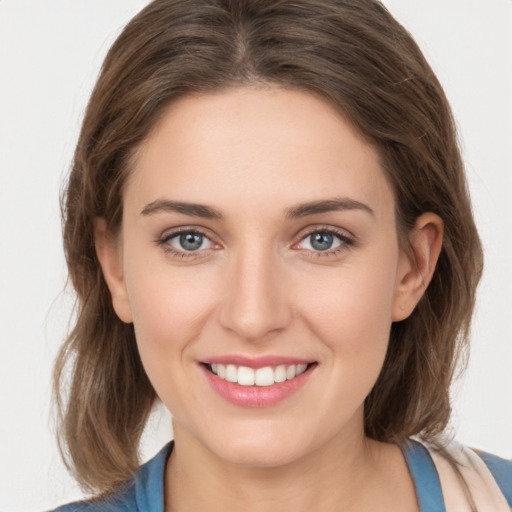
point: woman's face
(259, 237)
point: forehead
(269, 144)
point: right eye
(190, 241)
(322, 241)
(185, 242)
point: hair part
(353, 54)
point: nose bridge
(256, 304)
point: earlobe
(417, 265)
(108, 251)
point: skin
(256, 287)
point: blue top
(145, 492)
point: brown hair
(356, 56)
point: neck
(343, 474)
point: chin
(259, 448)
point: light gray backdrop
(50, 53)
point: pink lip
(256, 396)
(255, 362)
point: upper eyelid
(172, 232)
(343, 233)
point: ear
(109, 252)
(417, 264)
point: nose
(256, 304)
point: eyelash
(346, 240)
(164, 240)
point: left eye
(321, 241)
(189, 241)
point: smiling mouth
(258, 377)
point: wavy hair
(355, 55)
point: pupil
(321, 241)
(191, 241)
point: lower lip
(256, 396)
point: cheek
(169, 311)
(351, 313)
(353, 321)
(169, 314)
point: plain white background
(50, 53)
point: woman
(268, 228)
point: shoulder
(501, 470)
(143, 493)
(123, 501)
(466, 476)
(485, 474)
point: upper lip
(256, 362)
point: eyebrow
(192, 209)
(328, 205)
(299, 211)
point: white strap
(469, 486)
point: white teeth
(280, 373)
(290, 372)
(301, 368)
(266, 376)
(231, 373)
(245, 376)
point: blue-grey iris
(321, 241)
(191, 241)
